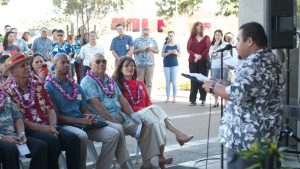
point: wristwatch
(211, 88)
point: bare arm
(130, 51)
(102, 110)
(125, 105)
(115, 54)
(218, 89)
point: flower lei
(2, 97)
(139, 93)
(21, 100)
(109, 91)
(66, 94)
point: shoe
(215, 105)
(167, 101)
(203, 103)
(165, 162)
(182, 141)
(193, 104)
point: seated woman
(135, 92)
(39, 70)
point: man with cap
(144, 49)
(32, 99)
(12, 133)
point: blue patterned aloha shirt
(92, 90)
(253, 111)
(65, 48)
(8, 112)
(144, 58)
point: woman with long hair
(8, 43)
(170, 52)
(215, 57)
(197, 47)
(135, 92)
(39, 68)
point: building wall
(257, 10)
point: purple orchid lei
(2, 97)
(109, 91)
(139, 93)
(29, 96)
(67, 95)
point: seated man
(32, 99)
(12, 133)
(72, 110)
(106, 99)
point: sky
(23, 13)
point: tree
(4, 2)
(86, 10)
(167, 8)
(228, 7)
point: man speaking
(253, 110)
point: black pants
(9, 154)
(65, 141)
(195, 86)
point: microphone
(227, 47)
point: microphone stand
(207, 144)
(222, 146)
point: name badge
(26, 96)
(79, 97)
(127, 46)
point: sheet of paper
(199, 76)
(23, 149)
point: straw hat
(15, 59)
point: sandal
(182, 141)
(165, 162)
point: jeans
(216, 73)
(171, 76)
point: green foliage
(228, 7)
(4, 2)
(186, 85)
(261, 153)
(88, 9)
(167, 8)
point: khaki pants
(145, 74)
(147, 142)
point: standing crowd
(44, 107)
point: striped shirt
(87, 51)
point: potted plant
(266, 155)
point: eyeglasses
(129, 66)
(101, 61)
(59, 35)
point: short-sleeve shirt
(144, 58)
(22, 44)
(64, 47)
(87, 51)
(42, 46)
(37, 112)
(253, 111)
(170, 60)
(13, 49)
(93, 90)
(121, 45)
(8, 112)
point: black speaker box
(282, 24)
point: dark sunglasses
(59, 35)
(101, 61)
